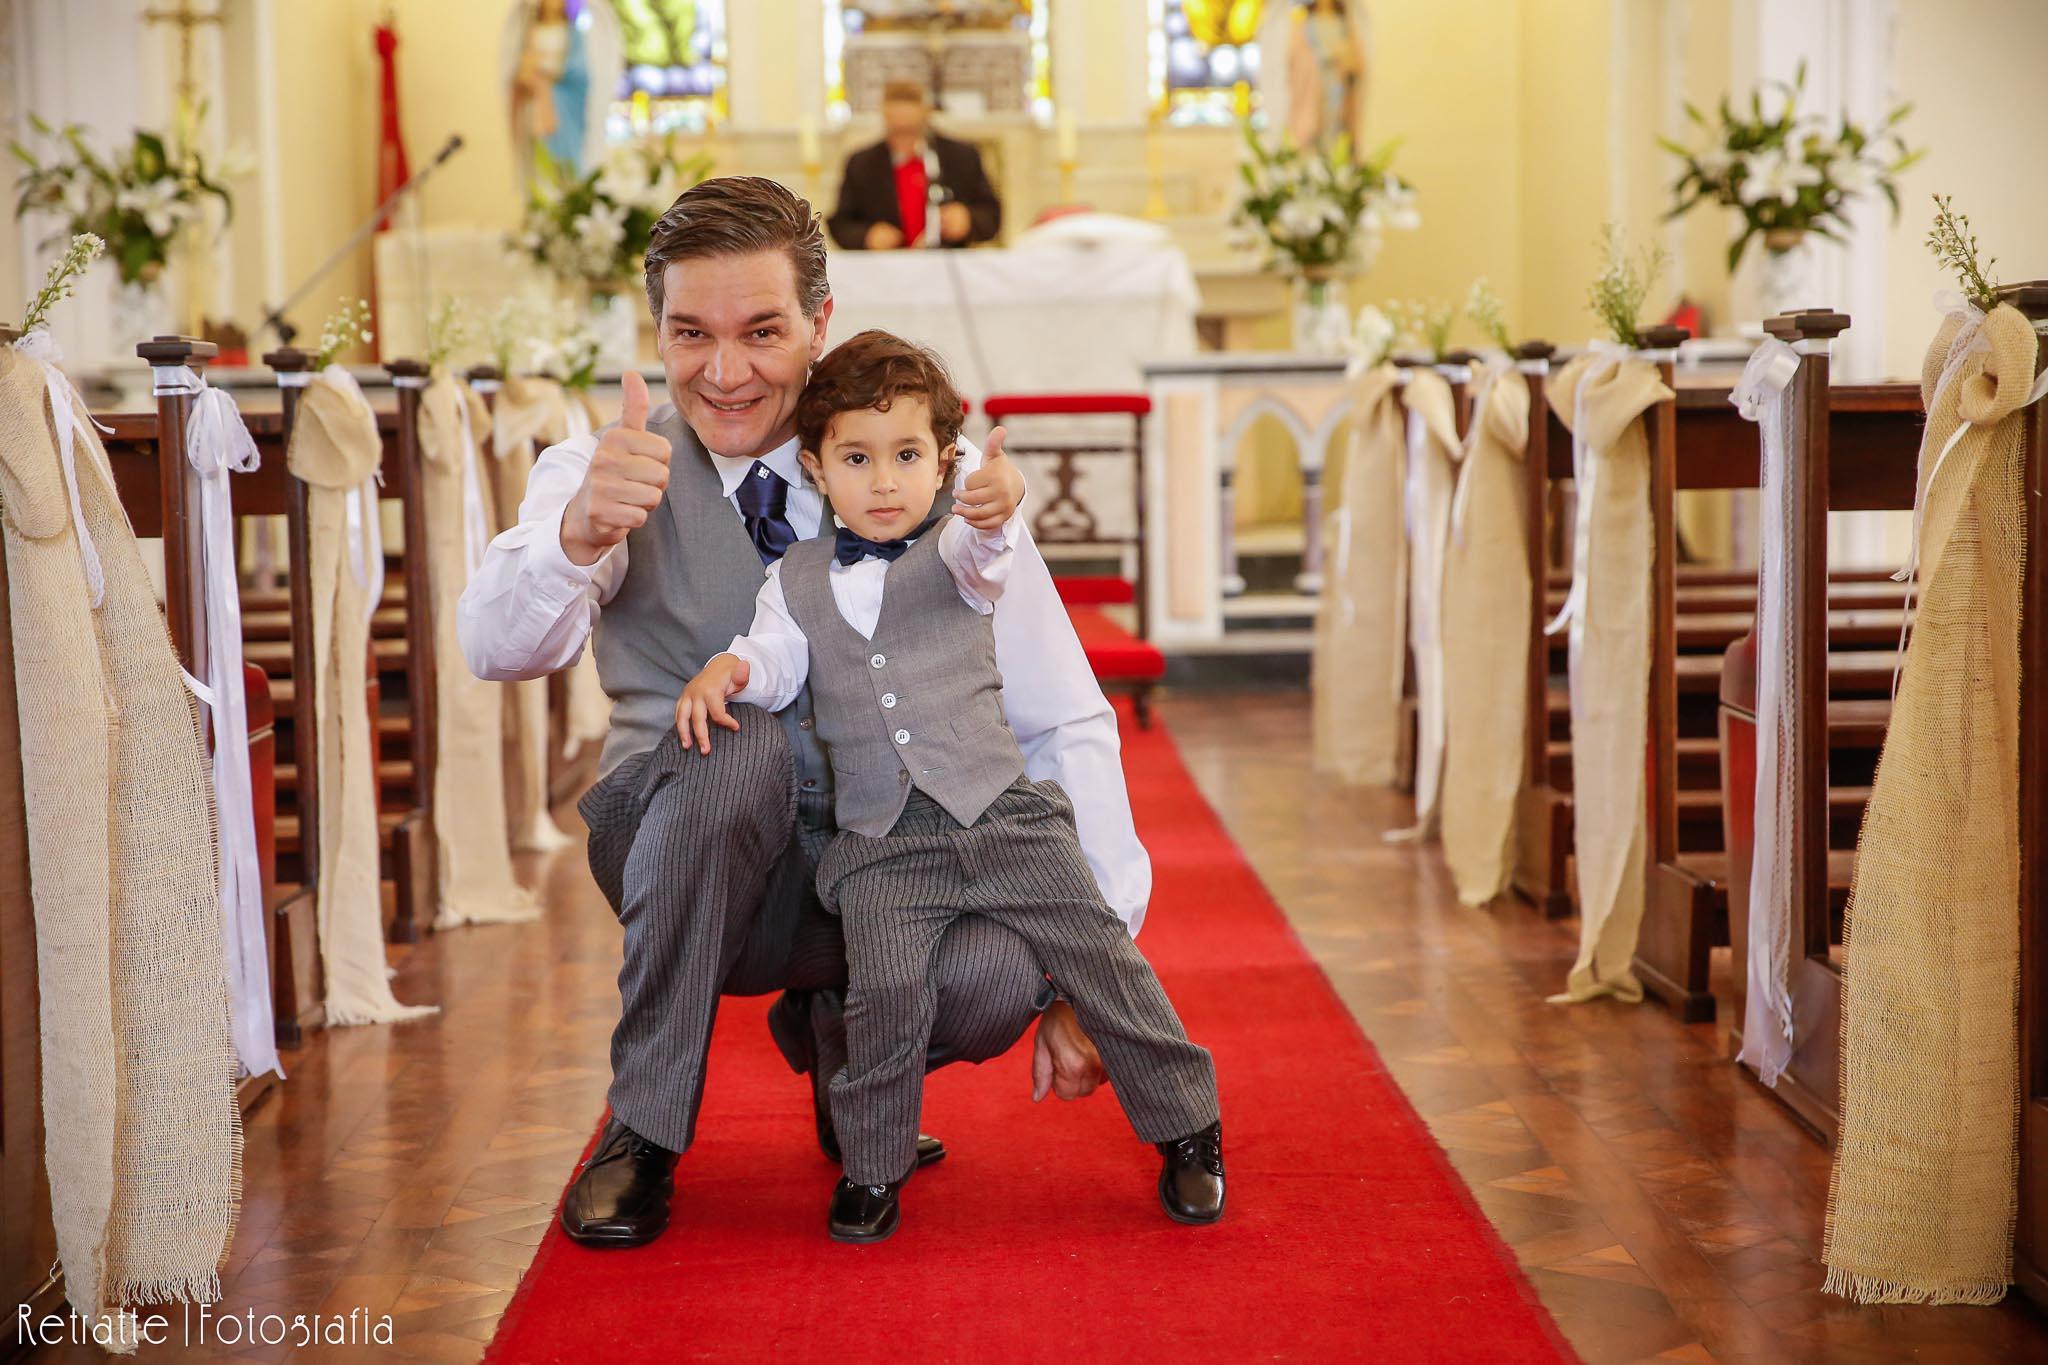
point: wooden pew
(1456, 369)
(2030, 1251)
(418, 865)
(1543, 809)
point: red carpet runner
(1040, 1237)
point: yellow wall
(1972, 70)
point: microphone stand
(274, 318)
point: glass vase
(615, 322)
(1787, 284)
(1322, 312)
(141, 311)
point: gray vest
(691, 579)
(920, 704)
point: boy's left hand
(992, 494)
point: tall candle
(807, 139)
(1069, 137)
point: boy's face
(881, 469)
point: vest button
(889, 700)
(877, 661)
(810, 783)
(903, 736)
(804, 724)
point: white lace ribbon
(216, 443)
(68, 417)
(1767, 1008)
(360, 507)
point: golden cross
(187, 19)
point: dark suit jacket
(867, 192)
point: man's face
(737, 348)
(904, 120)
(881, 470)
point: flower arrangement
(1319, 211)
(61, 280)
(448, 330)
(1955, 247)
(1623, 284)
(137, 202)
(1786, 172)
(593, 230)
(345, 328)
(1489, 314)
(569, 354)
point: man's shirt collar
(782, 459)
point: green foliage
(1783, 170)
(1623, 284)
(1955, 247)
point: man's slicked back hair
(736, 215)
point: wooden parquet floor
(1663, 1206)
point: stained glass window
(675, 67)
(1205, 59)
(991, 56)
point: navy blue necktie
(764, 501)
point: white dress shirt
(777, 652)
(528, 611)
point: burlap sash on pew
(1601, 396)
(1486, 641)
(590, 707)
(530, 411)
(1432, 478)
(143, 1138)
(1360, 642)
(1923, 1197)
(476, 881)
(335, 449)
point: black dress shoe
(1191, 1178)
(791, 1025)
(621, 1196)
(864, 1213)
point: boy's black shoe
(864, 1213)
(621, 1196)
(1191, 1178)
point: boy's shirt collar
(732, 469)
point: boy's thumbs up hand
(627, 479)
(991, 495)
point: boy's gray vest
(691, 579)
(920, 704)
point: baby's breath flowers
(62, 279)
(346, 327)
(1426, 324)
(1623, 284)
(1484, 307)
(1955, 246)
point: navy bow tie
(851, 547)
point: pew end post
(1543, 831)
(2030, 1250)
(413, 845)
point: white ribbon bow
(67, 416)
(1460, 495)
(1585, 472)
(217, 442)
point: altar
(1033, 319)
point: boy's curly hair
(873, 370)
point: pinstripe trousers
(708, 863)
(1021, 866)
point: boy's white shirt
(777, 651)
(528, 611)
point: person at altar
(916, 187)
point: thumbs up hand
(992, 494)
(627, 479)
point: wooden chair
(1122, 660)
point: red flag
(392, 171)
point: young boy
(936, 817)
